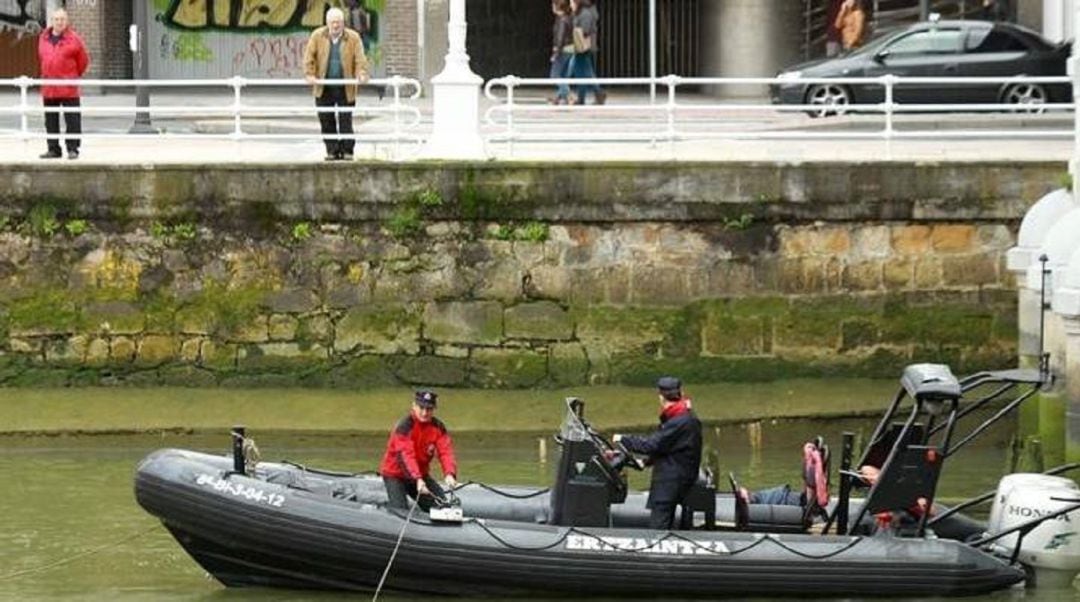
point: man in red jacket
(62, 55)
(413, 444)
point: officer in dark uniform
(674, 451)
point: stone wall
(502, 275)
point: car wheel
(1027, 98)
(833, 99)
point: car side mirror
(879, 57)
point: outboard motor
(585, 484)
(1051, 551)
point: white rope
(393, 554)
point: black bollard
(238, 449)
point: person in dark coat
(674, 451)
(418, 439)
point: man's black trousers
(336, 123)
(72, 123)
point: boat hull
(251, 532)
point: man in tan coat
(335, 52)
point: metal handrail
(504, 116)
(406, 116)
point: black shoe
(73, 155)
(50, 155)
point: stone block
(657, 284)
(929, 273)
(361, 372)
(186, 376)
(568, 365)
(97, 352)
(898, 273)
(280, 356)
(155, 350)
(871, 242)
(911, 240)
(316, 329)
(725, 334)
(114, 317)
(506, 368)
(283, 327)
(433, 371)
(970, 270)
(384, 329)
(196, 320)
(953, 238)
(451, 351)
(69, 351)
(255, 330)
(863, 276)
(477, 323)
(218, 356)
(190, 350)
(294, 301)
(858, 333)
(542, 320)
(26, 346)
(122, 350)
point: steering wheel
(634, 461)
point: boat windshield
(573, 427)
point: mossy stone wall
(505, 275)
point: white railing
(673, 119)
(402, 113)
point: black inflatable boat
(285, 525)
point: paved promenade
(203, 137)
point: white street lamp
(456, 134)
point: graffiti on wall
(22, 16)
(250, 38)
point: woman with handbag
(562, 48)
(583, 64)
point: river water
(72, 530)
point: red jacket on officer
(413, 444)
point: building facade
(198, 39)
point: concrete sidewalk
(1027, 141)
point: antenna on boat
(1044, 357)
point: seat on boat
(879, 450)
(908, 482)
(700, 498)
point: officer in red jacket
(62, 55)
(413, 444)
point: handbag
(582, 42)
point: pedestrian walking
(336, 52)
(562, 48)
(583, 63)
(61, 55)
(852, 24)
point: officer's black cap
(668, 384)
(427, 399)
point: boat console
(590, 478)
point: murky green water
(71, 528)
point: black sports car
(935, 49)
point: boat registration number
(240, 490)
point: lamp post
(140, 68)
(456, 133)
